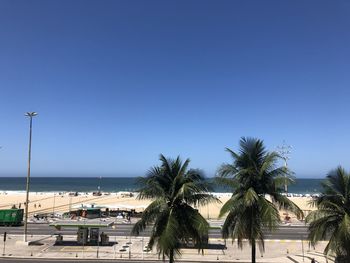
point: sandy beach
(41, 202)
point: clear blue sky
(116, 83)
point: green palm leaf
(174, 188)
(252, 176)
(332, 217)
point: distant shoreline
(118, 184)
(218, 194)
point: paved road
(285, 232)
(17, 260)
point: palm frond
(250, 197)
(149, 215)
(252, 175)
(168, 240)
(173, 189)
(332, 217)
(226, 182)
(270, 217)
(227, 170)
(184, 167)
(234, 155)
(151, 186)
(202, 199)
(230, 205)
(285, 203)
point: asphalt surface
(283, 233)
(18, 260)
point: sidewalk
(276, 251)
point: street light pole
(30, 115)
(284, 151)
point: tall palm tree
(253, 176)
(332, 217)
(174, 190)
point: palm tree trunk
(171, 256)
(252, 211)
(253, 251)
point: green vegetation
(253, 176)
(257, 185)
(332, 217)
(174, 190)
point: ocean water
(116, 184)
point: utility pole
(284, 151)
(30, 115)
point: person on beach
(313, 260)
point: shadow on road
(76, 244)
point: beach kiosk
(88, 230)
(89, 211)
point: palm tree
(174, 190)
(332, 217)
(253, 176)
